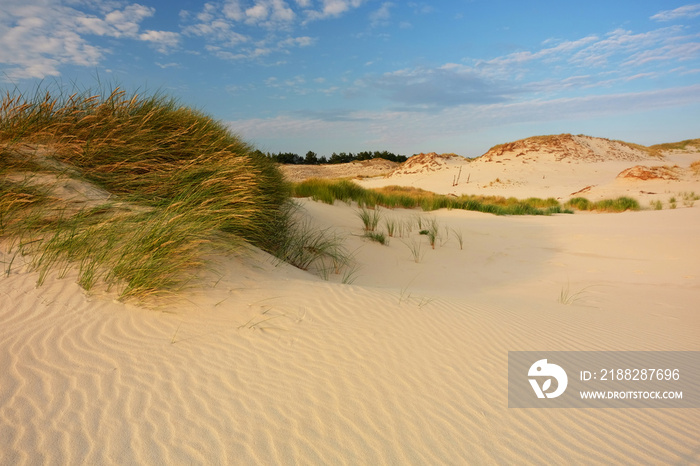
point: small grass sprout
(460, 237)
(390, 224)
(415, 248)
(377, 237)
(568, 297)
(370, 218)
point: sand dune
(562, 167)
(266, 364)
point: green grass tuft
(370, 218)
(620, 204)
(377, 237)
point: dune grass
(680, 145)
(329, 191)
(370, 218)
(695, 167)
(309, 248)
(180, 184)
(377, 237)
(620, 204)
(416, 250)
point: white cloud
(382, 15)
(332, 9)
(621, 51)
(281, 11)
(684, 12)
(222, 26)
(256, 13)
(548, 53)
(304, 41)
(125, 23)
(163, 41)
(38, 37)
(167, 65)
(230, 27)
(629, 49)
(270, 14)
(217, 30)
(232, 10)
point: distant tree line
(312, 158)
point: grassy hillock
(180, 185)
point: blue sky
(403, 76)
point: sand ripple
(326, 375)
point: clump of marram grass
(620, 204)
(432, 232)
(370, 218)
(376, 236)
(308, 247)
(329, 191)
(192, 184)
(390, 224)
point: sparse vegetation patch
(329, 191)
(619, 204)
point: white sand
(408, 365)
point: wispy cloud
(304, 41)
(382, 15)
(446, 86)
(250, 29)
(546, 54)
(620, 51)
(684, 12)
(38, 37)
(266, 13)
(275, 14)
(163, 41)
(331, 9)
(408, 132)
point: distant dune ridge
(558, 166)
(566, 148)
(398, 354)
(570, 148)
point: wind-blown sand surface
(407, 365)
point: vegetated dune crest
(559, 166)
(570, 148)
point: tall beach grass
(180, 183)
(620, 204)
(329, 191)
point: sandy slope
(408, 365)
